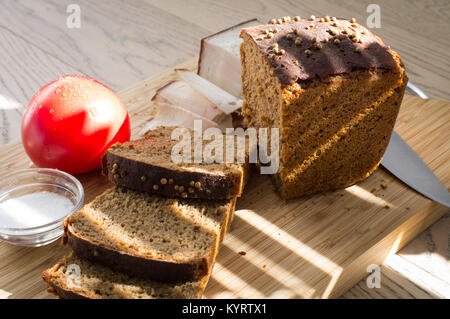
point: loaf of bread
(333, 89)
(73, 277)
(148, 236)
(146, 165)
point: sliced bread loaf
(332, 88)
(148, 236)
(146, 165)
(73, 277)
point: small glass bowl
(38, 180)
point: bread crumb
(383, 186)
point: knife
(407, 166)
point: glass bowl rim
(46, 171)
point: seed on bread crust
(163, 171)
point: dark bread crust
(55, 287)
(130, 173)
(295, 65)
(138, 266)
(65, 293)
(58, 290)
(238, 119)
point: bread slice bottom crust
(75, 278)
(92, 239)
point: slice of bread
(73, 277)
(148, 236)
(146, 165)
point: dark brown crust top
(130, 174)
(325, 57)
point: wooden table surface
(122, 42)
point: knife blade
(407, 166)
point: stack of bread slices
(156, 233)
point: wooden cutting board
(317, 246)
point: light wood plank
(423, 261)
(119, 42)
(122, 42)
(24, 69)
(401, 279)
(419, 33)
(430, 250)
